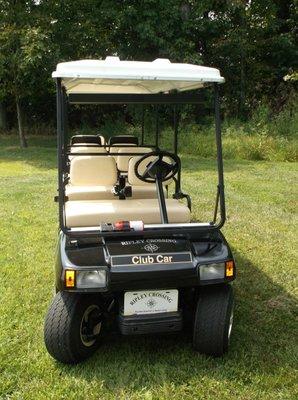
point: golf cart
(128, 252)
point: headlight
(212, 271)
(91, 279)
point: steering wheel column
(161, 201)
(159, 171)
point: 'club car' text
(152, 259)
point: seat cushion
(105, 192)
(146, 192)
(92, 213)
(89, 192)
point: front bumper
(148, 324)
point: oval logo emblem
(151, 303)
(151, 247)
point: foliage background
(252, 42)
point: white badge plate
(150, 302)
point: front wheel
(72, 326)
(214, 320)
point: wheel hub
(90, 325)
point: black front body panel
(151, 263)
(160, 263)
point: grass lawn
(261, 227)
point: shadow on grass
(263, 342)
(41, 152)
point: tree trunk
(3, 119)
(243, 45)
(23, 140)
(242, 83)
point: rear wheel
(213, 320)
(72, 326)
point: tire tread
(211, 319)
(62, 327)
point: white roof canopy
(114, 76)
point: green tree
(252, 42)
(23, 47)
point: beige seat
(87, 139)
(86, 144)
(146, 192)
(89, 192)
(89, 173)
(122, 161)
(91, 178)
(86, 149)
(92, 213)
(115, 148)
(140, 189)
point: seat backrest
(88, 149)
(80, 139)
(124, 139)
(93, 171)
(131, 176)
(122, 161)
(115, 149)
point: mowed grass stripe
(261, 227)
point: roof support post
(176, 122)
(143, 124)
(64, 116)
(156, 127)
(60, 154)
(219, 156)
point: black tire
(66, 332)
(213, 320)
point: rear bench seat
(115, 149)
(88, 139)
(87, 149)
(129, 140)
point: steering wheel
(158, 168)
